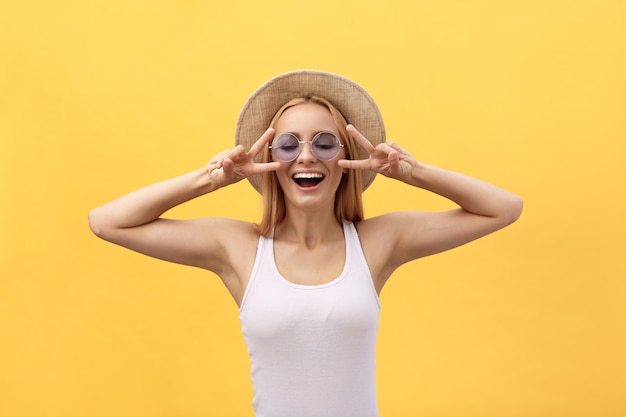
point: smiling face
(308, 181)
(347, 197)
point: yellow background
(98, 98)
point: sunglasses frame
(311, 142)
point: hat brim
(354, 103)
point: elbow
(514, 208)
(96, 223)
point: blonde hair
(348, 203)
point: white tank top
(312, 347)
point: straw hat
(354, 103)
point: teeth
(307, 175)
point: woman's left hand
(386, 158)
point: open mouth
(308, 179)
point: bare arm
(134, 220)
(483, 208)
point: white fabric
(312, 348)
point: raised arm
(134, 220)
(483, 208)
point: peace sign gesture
(233, 165)
(386, 158)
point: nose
(306, 152)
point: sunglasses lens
(325, 146)
(285, 147)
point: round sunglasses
(286, 147)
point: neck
(309, 229)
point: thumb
(394, 163)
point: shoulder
(236, 244)
(234, 236)
(210, 243)
(378, 241)
(230, 227)
(383, 241)
(389, 225)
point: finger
(259, 145)
(217, 159)
(236, 151)
(360, 139)
(362, 164)
(398, 148)
(387, 148)
(394, 169)
(265, 167)
(393, 158)
(226, 164)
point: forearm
(149, 203)
(473, 195)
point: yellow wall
(100, 97)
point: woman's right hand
(233, 165)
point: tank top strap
(353, 244)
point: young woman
(307, 277)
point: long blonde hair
(348, 203)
